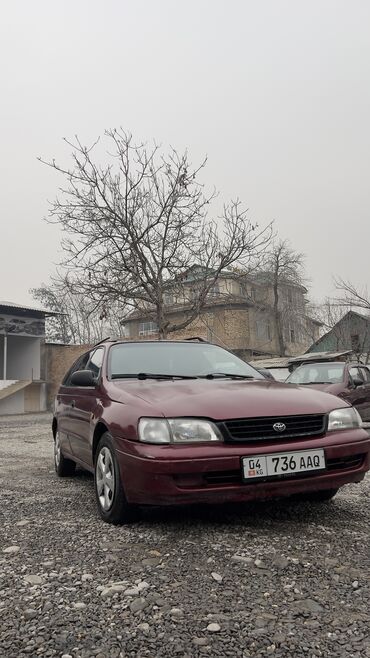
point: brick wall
(58, 359)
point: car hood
(221, 399)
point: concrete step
(11, 386)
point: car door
(83, 405)
(358, 394)
(366, 377)
(63, 404)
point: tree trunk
(161, 323)
(278, 323)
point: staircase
(10, 386)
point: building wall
(342, 335)
(23, 357)
(58, 359)
(14, 404)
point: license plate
(283, 463)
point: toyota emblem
(279, 427)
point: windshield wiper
(150, 375)
(309, 383)
(232, 375)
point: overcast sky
(275, 92)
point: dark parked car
(349, 381)
(172, 422)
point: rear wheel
(110, 496)
(63, 467)
(318, 496)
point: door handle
(73, 403)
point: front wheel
(110, 496)
(63, 467)
(321, 496)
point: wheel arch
(99, 430)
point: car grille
(258, 429)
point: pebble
(79, 605)
(355, 584)
(111, 590)
(259, 564)
(151, 562)
(33, 579)
(132, 591)
(144, 627)
(176, 612)
(242, 559)
(11, 549)
(213, 628)
(217, 577)
(138, 604)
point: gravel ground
(278, 579)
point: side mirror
(357, 381)
(83, 378)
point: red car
(172, 422)
(350, 381)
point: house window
(147, 328)
(168, 298)
(292, 336)
(214, 290)
(253, 293)
(355, 341)
(263, 330)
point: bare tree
(352, 297)
(79, 321)
(284, 267)
(138, 225)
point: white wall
(23, 360)
(14, 404)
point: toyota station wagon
(179, 422)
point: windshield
(317, 373)
(187, 359)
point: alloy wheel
(105, 478)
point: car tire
(110, 496)
(322, 496)
(63, 467)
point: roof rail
(201, 340)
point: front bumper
(171, 475)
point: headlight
(154, 430)
(344, 419)
(177, 430)
(185, 430)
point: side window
(80, 364)
(95, 362)
(356, 372)
(365, 375)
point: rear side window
(80, 364)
